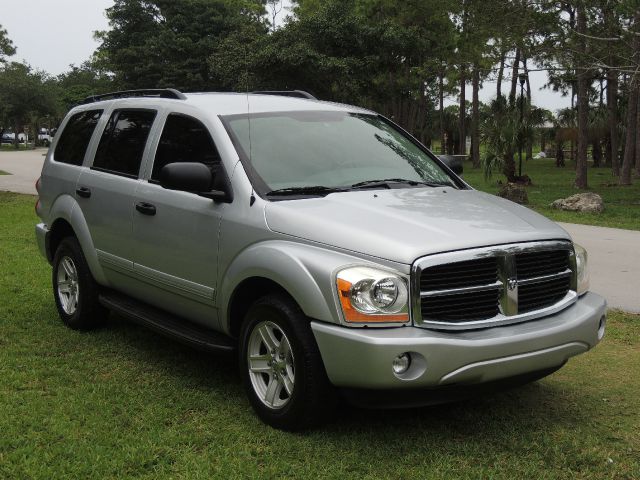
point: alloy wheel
(270, 363)
(68, 285)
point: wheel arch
(301, 272)
(247, 292)
(60, 229)
(66, 219)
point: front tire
(74, 289)
(281, 366)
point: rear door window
(123, 141)
(76, 136)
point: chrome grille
(493, 286)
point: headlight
(368, 295)
(582, 272)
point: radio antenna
(252, 198)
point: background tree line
(399, 58)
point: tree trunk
(637, 150)
(462, 148)
(601, 104)
(450, 145)
(607, 151)
(514, 77)
(529, 146)
(503, 54)
(572, 155)
(630, 142)
(16, 140)
(596, 148)
(612, 95)
(632, 117)
(528, 82)
(36, 130)
(559, 154)
(509, 169)
(443, 139)
(583, 104)
(475, 119)
(612, 107)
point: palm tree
(503, 131)
(565, 126)
(598, 131)
(450, 128)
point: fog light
(401, 363)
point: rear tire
(74, 289)
(281, 366)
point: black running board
(167, 324)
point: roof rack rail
(149, 92)
(287, 93)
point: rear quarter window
(76, 136)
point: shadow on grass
(527, 410)
(171, 356)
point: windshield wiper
(385, 183)
(312, 190)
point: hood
(402, 225)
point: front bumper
(362, 357)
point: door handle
(146, 208)
(83, 192)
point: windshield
(330, 150)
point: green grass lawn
(123, 402)
(11, 148)
(622, 204)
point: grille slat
(541, 295)
(526, 293)
(472, 280)
(467, 309)
(537, 264)
(478, 305)
(461, 274)
(487, 297)
(471, 306)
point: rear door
(176, 240)
(61, 174)
(105, 191)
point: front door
(176, 233)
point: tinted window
(123, 141)
(185, 139)
(75, 138)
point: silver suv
(321, 242)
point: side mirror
(193, 177)
(188, 176)
(454, 162)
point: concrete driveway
(614, 254)
(614, 263)
(24, 166)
